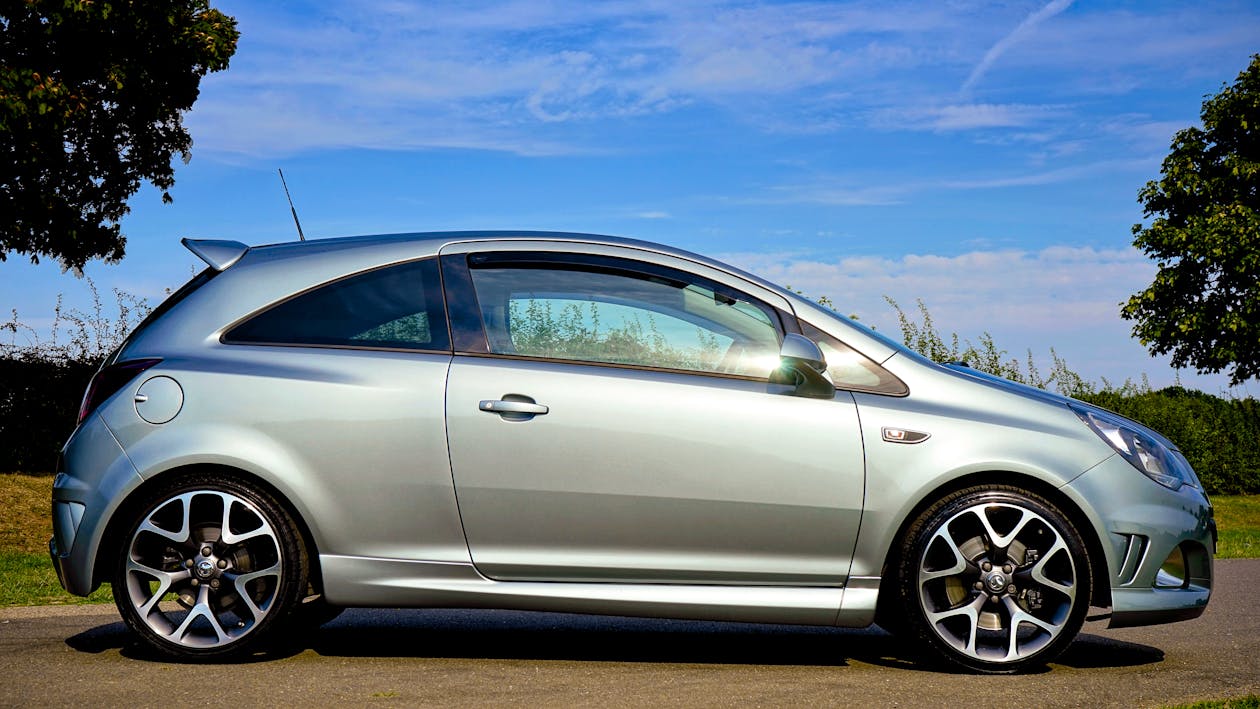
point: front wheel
(994, 579)
(209, 566)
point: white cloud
(1021, 31)
(1065, 297)
(978, 289)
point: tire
(993, 579)
(193, 590)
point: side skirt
(367, 582)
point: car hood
(1032, 392)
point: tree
(1204, 305)
(92, 97)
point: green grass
(29, 580)
(1251, 701)
(1238, 522)
(26, 574)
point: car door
(610, 419)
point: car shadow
(516, 635)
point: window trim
(438, 288)
(463, 292)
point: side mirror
(803, 367)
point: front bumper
(1158, 543)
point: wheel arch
(1100, 578)
(115, 530)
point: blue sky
(984, 157)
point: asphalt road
(84, 656)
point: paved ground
(83, 655)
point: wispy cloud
(1021, 31)
(529, 77)
(838, 193)
(513, 75)
(964, 117)
(1046, 177)
(875, 191)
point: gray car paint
(356, 442)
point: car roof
(219, 254)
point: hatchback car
(578, 423)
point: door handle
(500, 406)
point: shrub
(42, 381)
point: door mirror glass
(803, 367)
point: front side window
(396, 307)
(568, 312)
(849, 369)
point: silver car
(567, 422)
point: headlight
(1152, 458)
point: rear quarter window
(395, 307)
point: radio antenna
(301, 236)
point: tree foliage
(92, 97)
(1204, 305)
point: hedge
(39, 401)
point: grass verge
(29, 580)
(27, 576)
(1251, 701)
(1238, 525)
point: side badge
(901, 435)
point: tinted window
(624, 317)
(849, 369)
(398, 307)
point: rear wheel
(994, 579)
(210, 566)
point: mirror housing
(803, 367)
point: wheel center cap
(996, 582)
(205, 568)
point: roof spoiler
(217, 253)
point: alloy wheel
(203, 569)
(998, 583)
